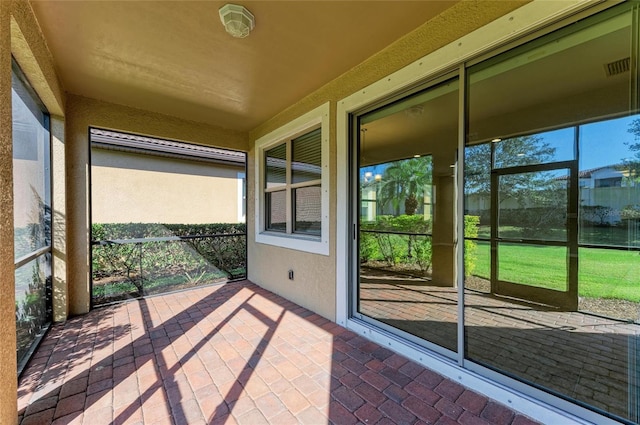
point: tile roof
(148, 145)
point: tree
(508, 153)
(598, 214)
(633, 164)
(406, 181)
(536, 194)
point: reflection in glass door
(405, 239)
(532, 115)
(526, 108)
(534, 235)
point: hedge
(137, 267)
(380, 241)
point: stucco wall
(59, 220)
(30, 50)
(134, 188)
(315, 283)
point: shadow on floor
(234, 353)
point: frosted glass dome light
(237, 20)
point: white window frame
(318, 117)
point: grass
(602, 273)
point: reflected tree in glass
(31, 302)
(632, 164)
(406, 181)
(514, 152)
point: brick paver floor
(588, 358)
(232, 353)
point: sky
(601, 143)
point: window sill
(299, 242)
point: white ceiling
(174, 57)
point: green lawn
(603, 273)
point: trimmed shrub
(143, 263)
(414, 247)
(471, 224)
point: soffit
(175, 58)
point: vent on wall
(617, 67)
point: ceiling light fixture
(415, 111)
(237, 20)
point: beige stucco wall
(82, 113)
(315, 283)
(135, 188)
(59, 220)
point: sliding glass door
(551, 202)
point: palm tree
(406, 181)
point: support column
(77, 207)
(443, 247)
(59, 218)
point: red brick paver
(233, 353)
(581, 355)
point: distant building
(607, 176)
(126, 171)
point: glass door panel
(609, 218)
(593, 150)
(541, 148)
(32, 305)
(405, 273)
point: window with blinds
(292, 185)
